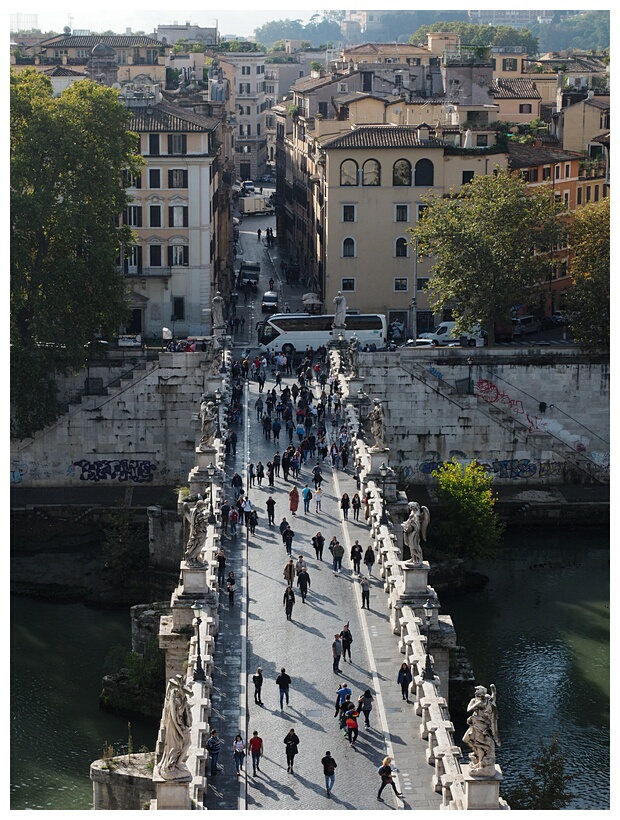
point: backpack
(329, 767)
(309, 496)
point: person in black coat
(257, 680)
(289, 602)
(303, 582)
(291, 741)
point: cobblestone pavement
(303, 647)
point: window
(343, 88)
(323, 109)
(401, 172)
(347, 285)
(154, 145)
(482, 140)
(155, 216)
(533, 175)
(401, 213)
(422, 283)
(509, 64)
(596, 193)
(421, 209)
(557, 171)
(155, 256)
(348, 213)
(246, 69)
(131, 180)
(579, 196)
(348, 172)
(566, 171)
(424, 173)
(133, 216)
(525, 108)
(178, 308)
(467, 177)
(371, 172)
(546, 173)
(177, 144)
(177, 178)
(567, 200)
(178, 255)
(588, 193)
(154, 178)
(348, 248)
(401, 285)
(177, 216)
(401, 247)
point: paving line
(243, 676)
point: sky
(143, 16)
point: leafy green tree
(484, 238)
(479, 35)
(470, 526)
(588, 302)
(547, 789)
(68, 154)
(584, 32)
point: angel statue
(208, 423)
(340, 311)
(415, 528)
(377, 426)
(177, 723)
(482, 734)
(198, 524)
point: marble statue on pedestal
(414, 529)
(217, 311)
(377, 426)
(177, 723)
(198, 524)
(354, 358)
(340, 312)
(208, 423)
(482, 735)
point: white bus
(299, 331)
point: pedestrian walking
(345, 707)
(352, 726)
(214, 747)
(386, 775)
(318, 497)
(343, 694)
(234, 518)
(252, 522)
(271, 510)
(258, 232)
(317, 475)
(238, 753)
(230, 587)
(251, 474)
(345, 503)
(369, 559)
(287, 538)
(318, 542)
(346, 638)
(289, 572)
(225, 512)
(365, 585)
(303, 582)
(283, 682)
(260, 473)
(237, 485)
(257, 680)
(404, 678)
(306, 494)
(329, 770)
(356, 504)
(364, 704)
(300, 564)
(291, 741)
(220, 557)
(356, 556)
(336, 653)
(255, 745)
(258, 405)
(289, 602)
(293, 500)
(276, 457)
(337, 551)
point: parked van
(523, 325)
(248, 274)
(446, 333)
(269, 303)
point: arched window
(401, 247)
(424, 173)
(348, 172)
(401, 172)
(348, 248)
(371, 172)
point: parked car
(418, 343)
(559, 318)
(523, 325)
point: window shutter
(184, 143)
(139, 220)
(170, 256)
(170, 177)
(169, 143)
(185, 217)
(139, 249)
(185, 184)
(171, 217)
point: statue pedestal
(482, 793)
(172, 794)
(416, 577)
(378, 455)
(194, 578)
(355, 384)
(205, 456)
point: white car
(419, 343)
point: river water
(58, 658)
(539, 631)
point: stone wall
(530, 415)
(139, 433)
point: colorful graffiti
(117, 470)
(489, 392)
(434, 372)
(510, 468)
(18, 471)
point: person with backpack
(214, 747)
(386, 775)
(352, 727)
(329, 770)
(364, 704)
(306, 494)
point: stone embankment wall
(138, 433)
(532, 416)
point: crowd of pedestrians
(303, 421)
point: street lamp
(383, 472)
(428, 673)
(199, 672)
(211, 470)
(470, 362)
(361, 400)
(218, 399)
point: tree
(547, 788)
(470, 527)
(588, 301)
(68, 155)
(479, 35)
(484, 239)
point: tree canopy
(318, 30)
(583, 32)
(479, 35)
(484, 240)
(589, 300)
(68, 155)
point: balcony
(162, 272)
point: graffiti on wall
(116, 470)
(493, 463)
(489, 392)
(18, 471)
